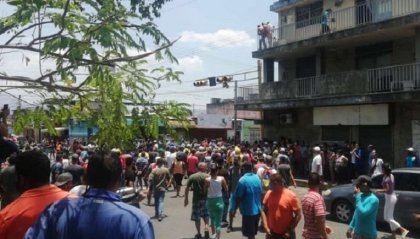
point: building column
(417, 45)
(268, 65)
(320, 64)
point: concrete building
(351, 73)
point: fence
(370, 12)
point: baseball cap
(317, 148)
(411, 149)
(63, 179)
(363, 180)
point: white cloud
(190, 64)
(221, 38)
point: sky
(217, 38)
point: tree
(86, 66)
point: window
(308, 15)
(408, 182)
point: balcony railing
(371, 12)
(389, 79)
(281, 3)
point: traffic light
(200, 82)
(224, 80)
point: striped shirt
(313, 205)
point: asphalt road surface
(177, 224)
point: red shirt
(192, 162)
(19, 215)
(312, 206)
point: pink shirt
(192, 162)
(313, 205)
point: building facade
(342, 71)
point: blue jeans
(159, 197)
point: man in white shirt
(317, 161)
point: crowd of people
(223, 178)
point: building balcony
(383, 82)
(373, 12)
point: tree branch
(25, 29)
(66, 9)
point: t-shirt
(159, 177)
(378, 169)
(317, 161)
(56, 169)
(281, 206)
(170, 159)
(19, 215)
(192, 162)
(313, 206)
(284, 170)
(196, 181)
(76, 171)
(249, 191)
(390, 182)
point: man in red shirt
(192, 163)
(33, 181)
(314, 212)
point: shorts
(250, 225)
(178, 179)
(199, 210)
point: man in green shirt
(159, 177)
(199, 210)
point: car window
(377, 181)
(408, 182)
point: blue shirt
(363, 222)
(411, 161)
(98, 214)
(248, 191)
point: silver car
(340, 202)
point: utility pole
(259, 96)
(235, 109)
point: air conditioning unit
(286, 118)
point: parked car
(340, 201)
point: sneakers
(404, 233)
(229, 229)
(197, 236)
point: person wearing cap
(214, 185)
(363, 223)
(388, 184)
(317, 161)
(99, 213)
(248, 197)
(33, 181)
(411, 160)
(75, 169)
(159, 178)
(64, 181)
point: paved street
(178, 225)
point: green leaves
(98, 49)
